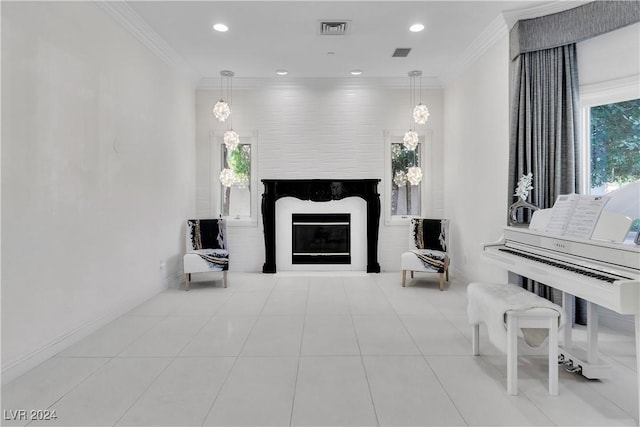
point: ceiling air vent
(401, 52)
(334, 28)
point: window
(614, 145)
(238, 202)
(405, 197)
(403, 200)
(611, 119)
(236, 199)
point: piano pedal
(568, 366)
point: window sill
(399, 220)
(240, 222)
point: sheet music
(561, 213)
(585, 216)
(575, 215)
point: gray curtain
(544, 130)
(544, 124)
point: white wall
(316, 128)
(97, 175)
(476, 159)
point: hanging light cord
(229, 94)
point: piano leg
(567, 306)
(586, 359)
(592, 333)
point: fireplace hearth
(321, 190)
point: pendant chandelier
(420, 115)
(420, 111)
(222, 109)
(227, 177)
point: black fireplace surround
(320, 190)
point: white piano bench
(534, 317)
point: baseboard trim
(18, 367)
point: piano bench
(539, 315)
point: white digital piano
(603, 271)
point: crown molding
(129, 19)
(487, 38)
(213, 83)
(497, 29)
(513, 16)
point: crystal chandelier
(414, 175)
(400, 179)
(420, 111)
(410, 140)
(420, 114)
(227, 177)
(231, 139)
(222, 109)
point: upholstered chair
(428, 243)
(206, 249)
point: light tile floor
(312, 351)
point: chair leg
(446, 272)
(475, 339)
(404, 277)
(224, 278)
(512, 355)
(441, 281)
(412, 274)
(187, 279)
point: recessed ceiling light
(416, 28)
(221, 28)
(282, 72)
(356, 72)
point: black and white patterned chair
(429, 240)
(206, 249)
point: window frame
(425, 139)
(216, 194)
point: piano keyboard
(566, 266)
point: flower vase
(520, 206)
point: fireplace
(321, 238)
(321, 190)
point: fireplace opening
(321, 238)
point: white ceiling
(267, 35)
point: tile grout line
(364, 368)
(173, 360)
(295, 382)
(235, 361)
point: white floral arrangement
(524, 186)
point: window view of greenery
(236, 200)
(615, 145)
(405, 198)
